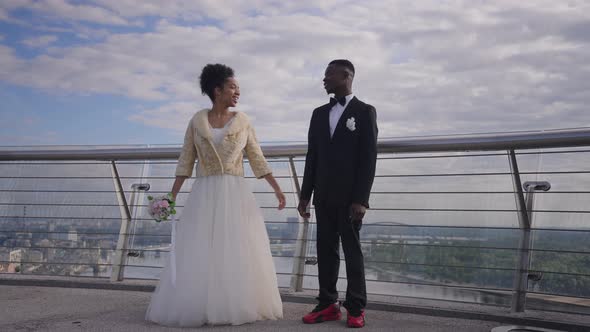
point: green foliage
(468, 262)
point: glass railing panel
(569, 176)
(149, 241)
(424, 228)
(560, 277)
(59, 218)
(282, 226)
(403, 260)
(152, 251)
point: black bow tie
(341, 101)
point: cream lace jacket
(227, 158)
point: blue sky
(125, 72)
(31, 117)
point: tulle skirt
(220, 269)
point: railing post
(525, 213)
(519, 298)
(302, 242)
(521, 270)
(136, 188)
(118, 263)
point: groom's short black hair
(344, 63)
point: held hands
(302, 208)
(281, 198)
(357, 212)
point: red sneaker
(355, 321)
(319, 314)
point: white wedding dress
(220, 269)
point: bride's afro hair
(214, 76)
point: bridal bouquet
(161, 208)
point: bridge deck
(90, 304)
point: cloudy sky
(126, 71)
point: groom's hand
(302, 208)
(357, 212)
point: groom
(339, 170)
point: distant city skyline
(125, 72)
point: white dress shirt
(336, 113)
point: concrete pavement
(79, 309)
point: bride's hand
(281, 198)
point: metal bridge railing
(500, 219)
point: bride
(220, 269)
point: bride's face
(228, 95)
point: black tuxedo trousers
(333, 225)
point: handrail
(472, 142)
(485, 142)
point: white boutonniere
(350, 124)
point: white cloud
(428, 67)
(188, 9)
(10, 64)
(3, 15)
(171, 116)
(36, 138)
(40, 41)
(67, 10)
(22, 127)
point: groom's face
(335, 77)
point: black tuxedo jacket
(339, 170)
